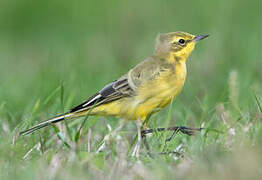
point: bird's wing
(111, 92)
(125, 86)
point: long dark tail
(47, 123)
(78, 111)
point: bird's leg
(147, 146)
(139, 138)
(144, 138)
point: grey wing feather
(111, 92)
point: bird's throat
(176, 58)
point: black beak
(198, 38)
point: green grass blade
(258, 102)
(36, 106)
(62, 96)
(68, 130)
(47, 100)
(60, 136)
(78, 133)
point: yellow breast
(159, 93)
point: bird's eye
(181, 41)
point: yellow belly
(152, 95)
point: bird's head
(176, 45)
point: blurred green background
(86, 44)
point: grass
(54, 55)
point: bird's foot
(185, 130)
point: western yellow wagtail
(150, 85)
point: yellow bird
(150, 85)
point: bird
(143, 90)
